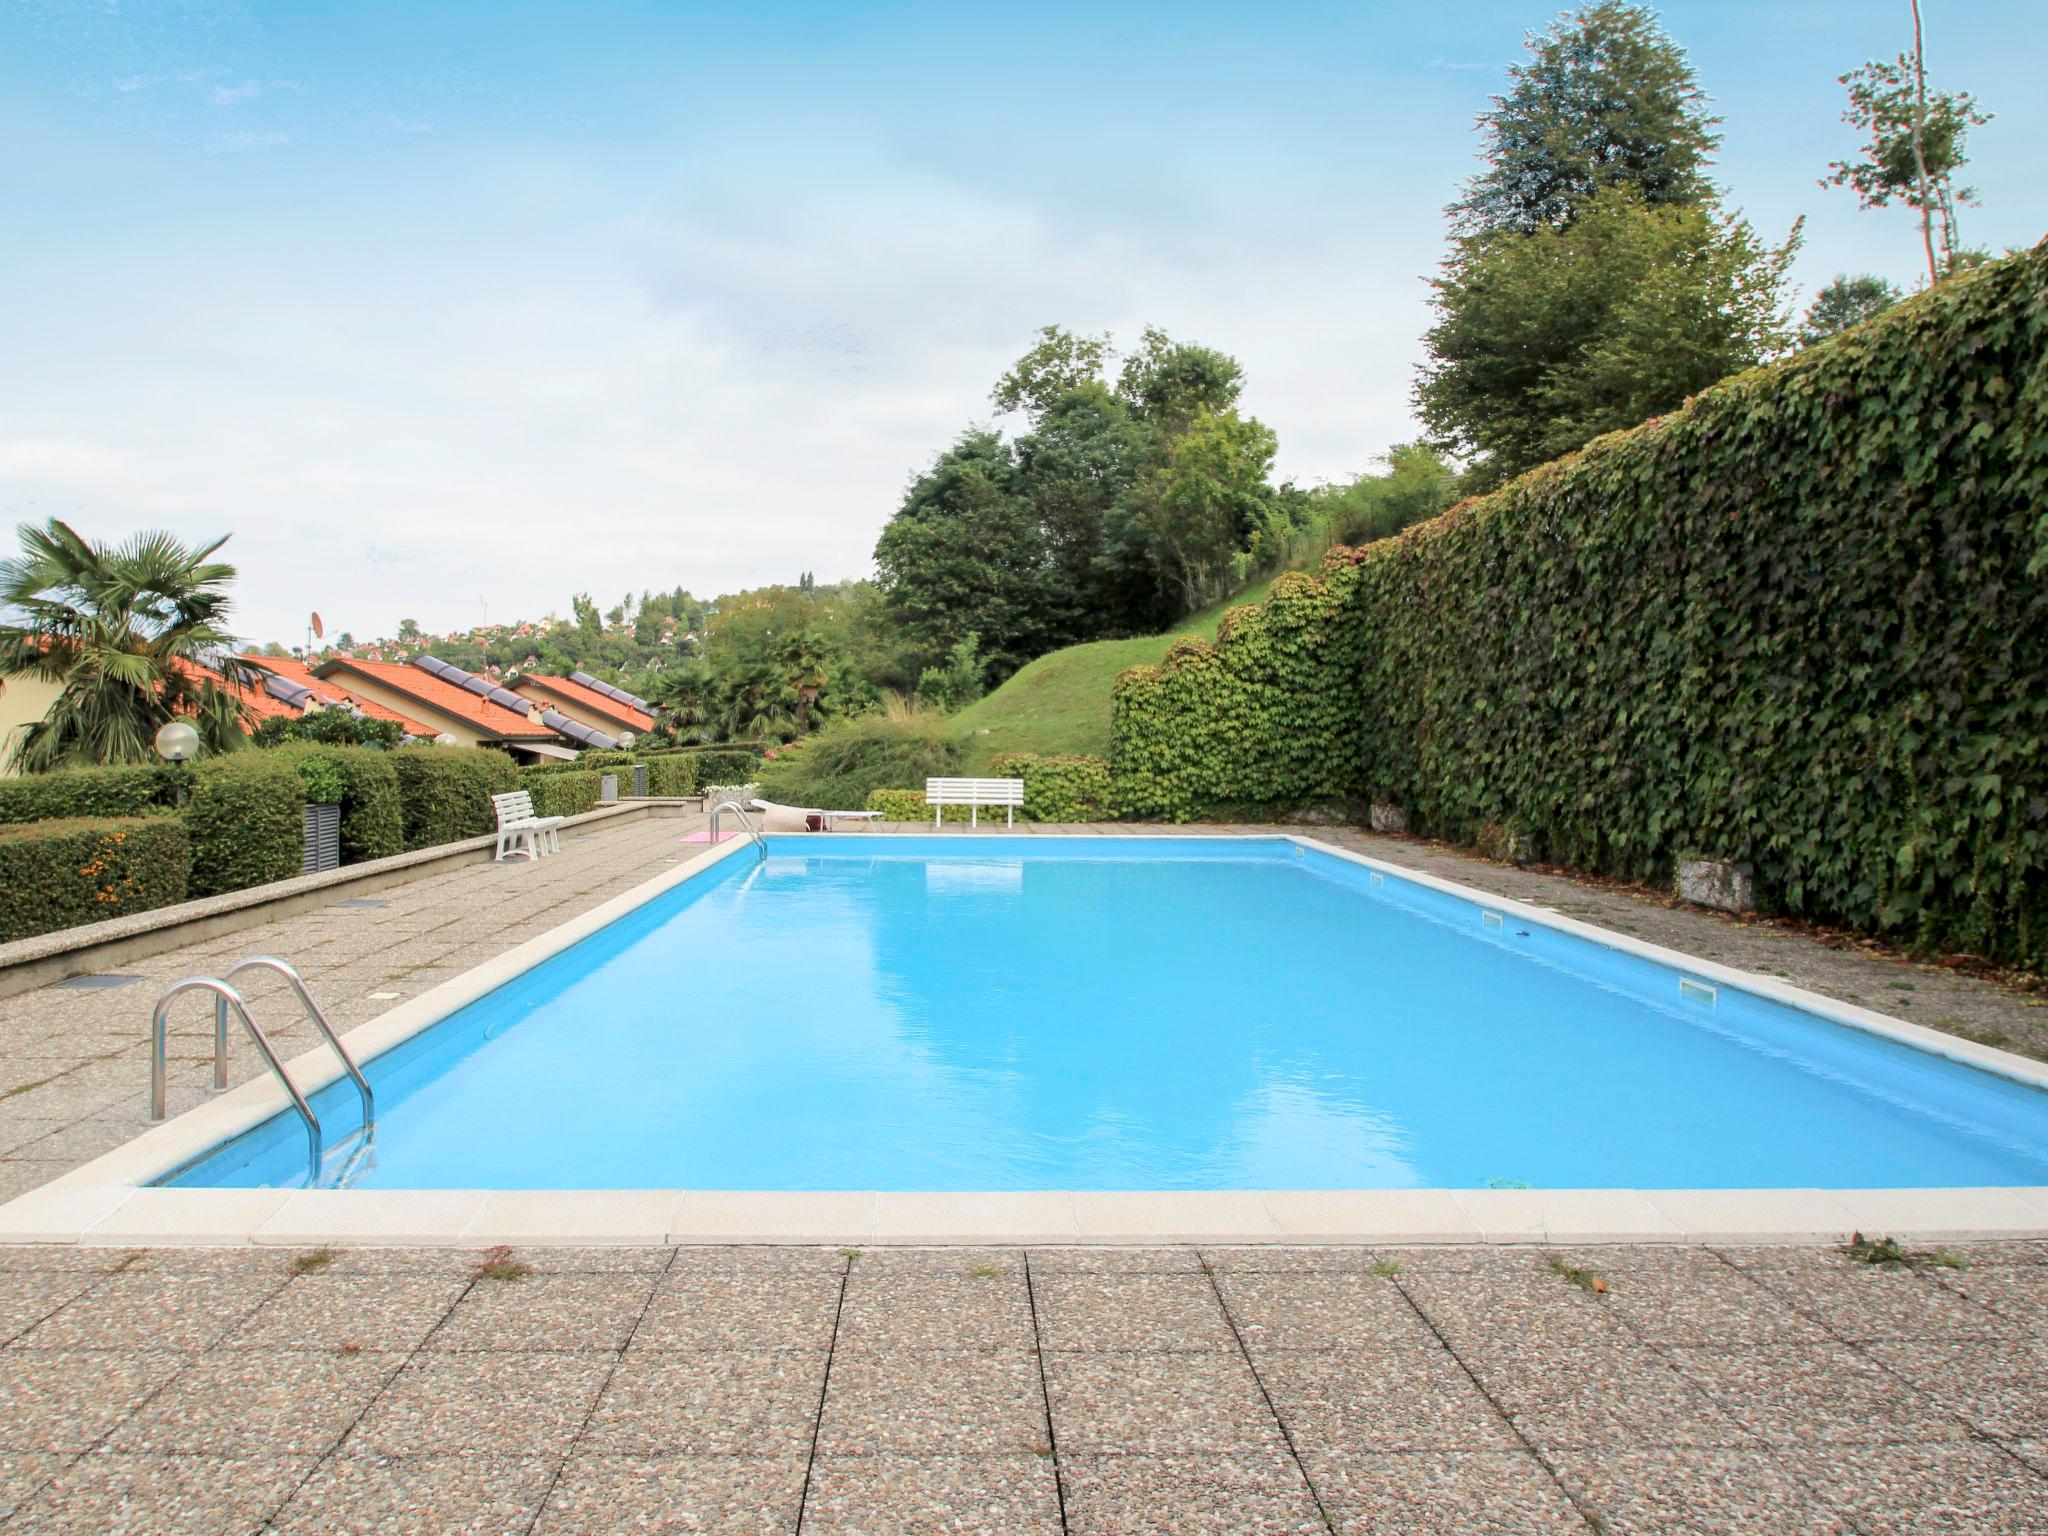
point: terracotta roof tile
(435, 694)
(589, 698)
(292, 670)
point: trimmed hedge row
(1059, 788)
(245, 816)
(563, 794)
(365, 785)
(673, 775)
(117, 791)
(909, 805)
(445, 792)
(1800, 624)
(59, 874)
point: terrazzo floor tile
(959, 1495)
(1624, 1395)
(894, 1311)
(1451, 1493)
(953, 1403)
(741, 1309)
(1273, 1259)
(139, 1310)
(112, 1495)
(27, 1297)
(1383, 1400)
(1961, 1489)
(420, 1496)
(1537, 1306)
(66, 1402)
(1801, 1394)
(255, 1402)
(1158, 1405)
(675, 1496)
(1872, 1303)
(571, 1311)
(709, 1402)
(1260, 1494)
(1322, 1312)
(1116, 1261)
(1675, 1492)
(2016, 1292)
(940, 1263)
(23, 1474)
(1720, 1307)
(1150, 1313)
(1999, 1386)
(728, 1259)
(325, 1311)
(480, 1404)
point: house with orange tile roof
(296, 675)
(471, 709)
(587, 700)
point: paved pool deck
(1497, 1389)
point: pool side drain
(1698, 991)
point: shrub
(838, 768)
(246, 820)
(444, 793)
(1059, 788)
(673, 775)
(330, 728)
(362, 781)
(1799, 624)
(909, 805)
(729, 762)
(562, 794)
(125, 790)
(59, 874)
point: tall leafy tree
(1915, 141)
(1604, 99)
(1845, 302)
(1208, 499)
(133, 634)
(1546, 339)
(805, 658)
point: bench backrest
(517, 805)
(973, 791)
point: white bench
(521, 831)
(974, 794)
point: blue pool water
(959, 1013)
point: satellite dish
(319, 629)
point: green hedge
(127, 790)
(59, 874)
(1801, 624)
(365, 785)
(719, 765)
(1059, 788)
(910, 805)
(246, 819)
(445, 793)
(673, 775)
(562, 794)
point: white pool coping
(110, 1201)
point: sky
(446, 312)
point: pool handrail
(291, 974)
(226, 997)
(760, 843)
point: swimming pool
(962, 1013)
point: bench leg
(1009, 816)
(973, 817)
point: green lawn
(1060, 702)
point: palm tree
(806, 663)
(130, 633)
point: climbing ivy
(1801, 624)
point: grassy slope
(1060, 702)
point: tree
(330, 727)
(1209, 499)
(806, 663)
(588, 620)
(965, 554)
(1914, 144)
(1170, 382)
(1845, 302)
(1605, 99)
(1061, 361)
(1548, 338)
(958, 683)
(133, 635)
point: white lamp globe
(177, 741)
(627, 739)
(446, 739)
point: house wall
(405, 704)
(23, 701)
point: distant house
(294, 675)
(472, 709)
(587, 701)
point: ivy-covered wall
(1801, 624)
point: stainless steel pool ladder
(226, 998)
(760, 843)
